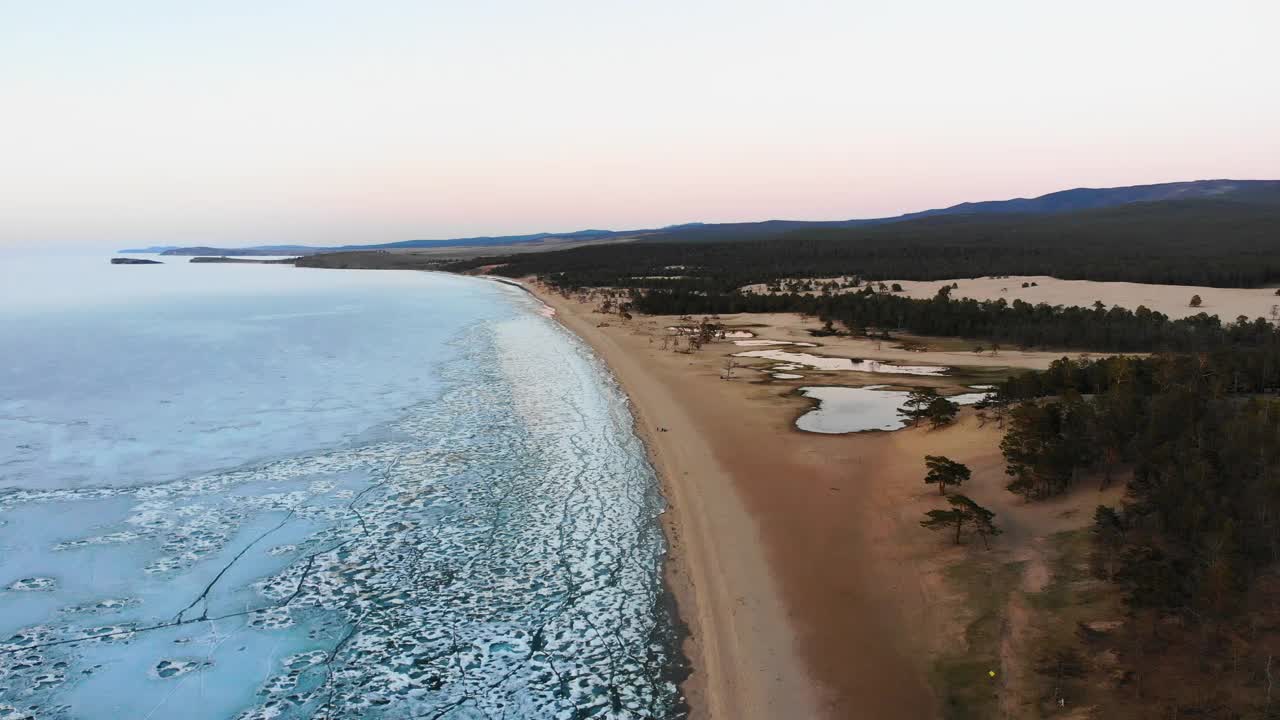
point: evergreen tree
(945, 520)
(1109, 536)
(941, 411)
(963, 512)
(917, 405)
(944, 471)
(981, 519)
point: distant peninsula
(152, 250)
(251, 261)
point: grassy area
(965, 688)
(937, 343)
(909, 341)
(1071, 586)
(1072, 597)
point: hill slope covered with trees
(1221, 243)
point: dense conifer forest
(1195, 542)
(1190, 242)
(1016, 324)
(1202, 437)
(1202, 242)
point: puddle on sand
(848, 409)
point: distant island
(134, 261)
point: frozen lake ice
(246, 491)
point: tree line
(1214, 243)
(1201, 516)
(1016, 323)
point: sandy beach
(796, 558)
(744, 656)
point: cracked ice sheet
(103, 393)
(492, 552)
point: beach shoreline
(796, 558)
(803, 596)
(726, 679)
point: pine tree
(941, 411)
(963, 512)
(945, 520)
(944, 471)
(982, 519)
(917, 405)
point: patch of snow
(822, 362)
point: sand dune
(1172, 300)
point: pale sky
(131, 122)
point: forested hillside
(1063, 201)
(1221, 243)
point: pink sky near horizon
(328, 122)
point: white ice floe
(166, 669)
(822, 362)
(787, 376)
(36, 584)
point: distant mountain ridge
(579, 235)
(1266, 191)
(149, 249)
(1251, 192)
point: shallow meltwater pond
(822, 362)
(849, 409)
